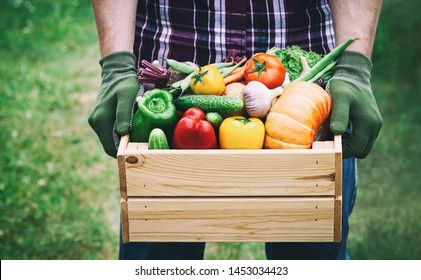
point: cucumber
(215, 119)
(224, 105)
(157, 140)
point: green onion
(323, 72)
(228, 70)
(183, 67)
(325, 61)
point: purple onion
(151, 74)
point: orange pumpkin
(296, 116)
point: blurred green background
(59, 191)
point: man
(202, 31)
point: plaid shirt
(203, 30)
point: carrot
(235, 76)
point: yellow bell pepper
(239, 132)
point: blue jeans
(274, 251)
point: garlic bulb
(287, 80)
(258, 98)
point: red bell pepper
(194, 132)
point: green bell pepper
(156, 109)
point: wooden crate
(231, 195)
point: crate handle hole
(132, 160)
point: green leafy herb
(290, 57)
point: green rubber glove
(113, 110)
(354, 105)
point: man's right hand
(115, 99)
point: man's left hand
(354, 104)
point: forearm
(115, 22)
(356, 19)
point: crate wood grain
(231, 195)
(233, 219)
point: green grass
(59, 194)
(57, 186)
(386, 224)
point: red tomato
(265, 68)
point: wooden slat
(231, 219)
(317, 145)
(143, 146)
(121, 161)
(124, 142)
(230, 173)
(328, 145)
(132, 146)
(124, 221)
(338, 165)
(337, 223)
(338, 188)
